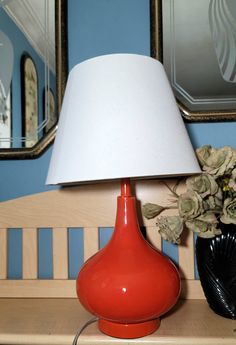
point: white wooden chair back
(87, 207)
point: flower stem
(171, 190)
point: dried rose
(205, 225)
(217, 161)
(190, 205)
(203, 154)
(232, 180)
(170, 228)
(214, 202)
(229, 211)
(203, 184)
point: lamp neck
(126, 227)
(125, 187)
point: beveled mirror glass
(196, 40)
(33, 72)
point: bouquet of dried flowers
(210, 198)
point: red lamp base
(130, 330)
(128, 284)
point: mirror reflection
(28, 97)
(199, 45)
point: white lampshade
(119, 119)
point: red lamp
(119, 119)
(128, 284)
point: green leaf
(152, 210)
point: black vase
(216, 262)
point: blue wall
(95, 28)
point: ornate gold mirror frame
(61, 76)
(171, 43)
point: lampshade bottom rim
(128, 330)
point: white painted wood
(30, 253)
(60, 253)
(3, 253)
(154, 237)
(91, 242)
(40, 288)
(186, 257)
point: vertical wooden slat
(30, 253)
(60, 253)
(154, 237)
(3, 253)
(186, 257)
(91, 242)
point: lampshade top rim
(111, 56)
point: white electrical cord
(82, 328)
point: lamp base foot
(128, 330)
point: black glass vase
(216, 262)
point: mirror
(33, 72)
(196, 41)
